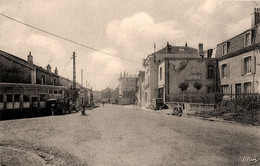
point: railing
(209, 98)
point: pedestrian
(83, 113)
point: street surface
(121, 135)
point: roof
(179, 50)
(24, 62)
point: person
(135, 104)
(83, 110)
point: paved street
(120, 135)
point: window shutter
(207, 74)
(230, 89)
(253, 64)
(221, 71)
(228, 70)
(242, 67)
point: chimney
(186, 45)
(200, 48)
(255, 17)
(168, 48)
(210, 51)
(56, 71)
(48, 68)
(30, 58)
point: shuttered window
(247, 88)
(225, 89)
(224, 70)
(248, 65)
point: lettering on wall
(194, 75)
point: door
(238, 89)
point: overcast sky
(124, 28)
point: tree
(197, 85)
(183, 86)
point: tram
(18, 99)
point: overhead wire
(69, 40)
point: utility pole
(74, 80)
(81, 77)
(74, 71)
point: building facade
(151, 68)
(199, 73)
(239, 61)
(127, 89)
(19, 73)
(109, 95)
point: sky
(122, 28)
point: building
(97, 96)
(140, 88)
(151, 67)
(109, 95)
(127, 89)
(239, 61)
(19, 71)
(199, 73)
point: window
(60, 91)
(55, 92)
(225, 89)
(247, 65)
(247, 88)
(9, 98)
(238, 89)
(160, 73)
(224, 47)
(145, 95)
(210, 89)
(43, 81)
(247, 39)
(50, 91)
(1, 98)
(42, 97)
(210, 71)
(16, 98)
(224, 71)
(26, 98)
(54, 81)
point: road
(121, 135)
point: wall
(235, 75)
(13, 72)
(190, 71)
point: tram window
(16, 98)
(60, 91)
(26, 98)
(42, 97)
(50, 91)
(55, 92)
(1, 98)
(9, 98)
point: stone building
(151, 67)
(140, 88)
(109, 95)
(97, 96)
(239, 61)
(127, 89)
(193, 71)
